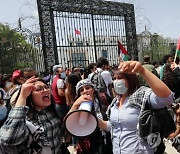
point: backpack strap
(101, 78)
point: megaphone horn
(81, 122)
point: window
(78, 59)
(104, 53)
(79, 44)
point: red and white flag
(122, 52)
(77, 32)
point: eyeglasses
(42, 88)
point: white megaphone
(81, 122)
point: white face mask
(120, 87)
(63, 75)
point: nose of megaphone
(81, 122)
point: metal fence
(77, 32)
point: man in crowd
(58, 91)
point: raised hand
(26, 90)
(82, 98)
(173, 65)
(131, 67)
(28, 87)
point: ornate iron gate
(77, 32)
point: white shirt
(106, 75)
(60, 84)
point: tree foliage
(15, 52)
(156, 46)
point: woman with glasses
(33, 125)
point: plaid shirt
(15, 131)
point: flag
(122, 52)
(178, 48)
(77, 32)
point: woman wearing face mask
(123, 115)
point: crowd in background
(29, 100)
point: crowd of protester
(32, 117)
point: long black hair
(32, 110)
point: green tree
(158, 47)
(15, 52)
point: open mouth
(46, 98)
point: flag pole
(175, 56)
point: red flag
(178, 45)
(77, 32)
(122, 52)
(177, 50)
(121, 49)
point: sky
(158, 16)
